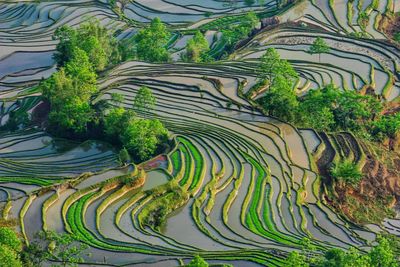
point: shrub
(346, 171)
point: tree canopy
(279, 76)
(151, 42)
(197, 48)
(198, 262)
(10, 247)
(144, 100)
(95, 40)
(141, 137)
(319, 46)
(381, 255)
(69, 91)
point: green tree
(238, 31)
(69, 91)
(9, 238)
(339, 258)
(10, 247)
(8, 257)
(346, 171)
(95, 40)
(272, 67)
(319, 46)
(382, 255)
(151, 42)
(197, 48)
(352, 109)
(295, 259)
(142, 137)
(116, 121)
(63, 248)
(198, 262)
(279, 76)
(124, 156)
(67, 39)
(330, 109)
(315, 109)
(144, 100)
(91, 37)
(34, 255)
(280, 100)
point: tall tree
(319, 46)
(272, 67)
(142, 137)
(280, 100)
(68, 92)
(144, 100)
(197, 48)
(151, 42)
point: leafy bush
(347, 172)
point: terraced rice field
(252, 183)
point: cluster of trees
(98, 43)
(381, 255)
(81, 55)
(324, 109)
(50, 247)
(140, 137)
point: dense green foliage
(151, 42)
(279, 77)
(10, 247)
(69, 92)
(347, 172)
(386, 126)
(381, 255)
(144, 100)
(296, 259)
(198, 262)
(197, 48)
(9, 238)
(325, 109)
(97, 42)
(80, 53)
(8, 257)
(141, 137)
(236, 32)
(332, 109)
